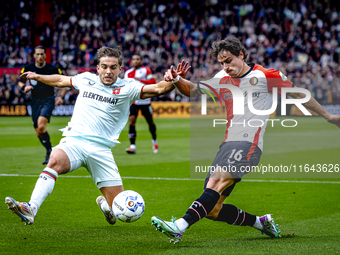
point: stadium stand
(299, 38)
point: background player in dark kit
(42, 96)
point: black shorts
(42, 107)
(146, 110)
(236, 158)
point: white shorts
(95, 157)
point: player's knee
(53, 163)
(214, 213)
(41, 130)
(56, 165)
(219, 184)
(59, 161)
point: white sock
(133, 146)
(43, 188)
(105, 206)
(153, 141)
(258, 225)
(34, 208)
(182, 224)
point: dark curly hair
(231, 44)
(109, 52)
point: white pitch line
(177, 179)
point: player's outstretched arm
(313, 105)
(158, 89)
(55, 80)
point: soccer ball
(128, 206)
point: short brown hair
(109, 52)
(231, 44)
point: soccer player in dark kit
(42, 97)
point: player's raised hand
(170, 74)
(182, 69)
(29, 75)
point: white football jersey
(101, 111)
(248, 127)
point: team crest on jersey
(253, 81)
(116, 91)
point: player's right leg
(199, 209)
(58, 164)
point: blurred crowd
(300, 38)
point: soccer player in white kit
(242, 145)
(101, 112)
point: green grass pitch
(70, 222)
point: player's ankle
(258, 225)
(182, 224)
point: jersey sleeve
(135, 90)
(76, 80)
(276, 79)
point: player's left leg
(147, 113)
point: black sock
(202, 206)
(45, 140)
(132, 134)
(152, 129)
(235, 216)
